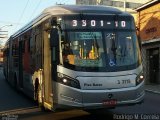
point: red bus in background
(1, 57)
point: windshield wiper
(114, 48)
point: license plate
(110, 102)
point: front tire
(38, 95)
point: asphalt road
(11, 99)
(23, 108)
(149, 110)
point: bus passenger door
(20, 64)
(47, 80)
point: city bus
(73, 56)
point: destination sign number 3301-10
(95, 23)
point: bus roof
(69, 9)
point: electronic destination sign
(98, 22)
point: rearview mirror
(54, 37)
(54, 21)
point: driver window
(67, 53)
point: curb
(20, 111)
(153, 91)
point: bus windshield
(102, 50)
(99, 43)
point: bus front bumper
(71, 97)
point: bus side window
(54, 54)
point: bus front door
(47, 83)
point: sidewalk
(153, 88)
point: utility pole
(125, 5)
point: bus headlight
(139, 78)
(66, 80)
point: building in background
(124, 5)
(148, 23)
(85, 2)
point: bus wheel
(38, 94)
(38, 97)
